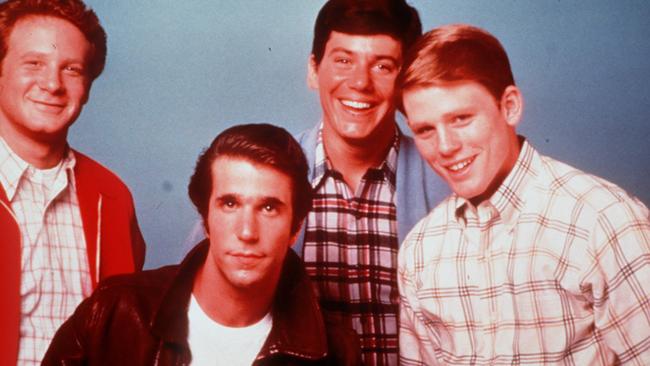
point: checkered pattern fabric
(350, 253)
(54, 263)
(553, 269)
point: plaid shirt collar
(13, 168)
(508, 201)
(323, 167)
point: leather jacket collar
(298, 326)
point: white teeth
(356, 105)
(458, 166)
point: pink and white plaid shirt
(553, 269)
(54, 269)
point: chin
(467, 194)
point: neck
(354, 158)
(39, 154)
(229, 306)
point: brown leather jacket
(141, 319)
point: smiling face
(248, 225)
(43, 81)
(465, 135)
(356, 83)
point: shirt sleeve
(417, 340)
(620, 281)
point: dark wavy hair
(366, 17)
(74, 11)
(261, 144)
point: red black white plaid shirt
(553, 269)
(54, 264)
(350, 252)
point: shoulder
(436, 221)
(594, 194)
(125, 299)
(307, 138)
(87, 169)
(149, 285)
(429, 230)
(121, 307)
(598, 212)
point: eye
(33, 64)
(227, 204)
(74, 70)
(424, 131)
(385, 67)
(270, 208)
(342, 60)
(461, 119)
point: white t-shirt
(214, 344)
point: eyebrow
(461, 110)
(227, 197)
(37, 54)
(264, 200)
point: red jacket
(109, 224)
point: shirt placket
(489, 309)
(471, 273)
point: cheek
(278, 232)
(427, 148)
(79, 93)
(217, 224)
(473, 138)
(327, 79)
(386, 87)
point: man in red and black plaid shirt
(371, 186)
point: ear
(512, 105)
(312, 73)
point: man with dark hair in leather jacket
(241, 296)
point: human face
(466, 135)
(356, 83)
(44, 79)
(248, 224)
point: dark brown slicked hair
(263, 144)
(74, 11)
(457, 52)
(366, 17)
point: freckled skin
(466, 135)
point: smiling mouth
(461, 165)
(48, 106)
(359, 106)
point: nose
(448, 141)
(247, 230)
(51, 80)
(360, 78)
